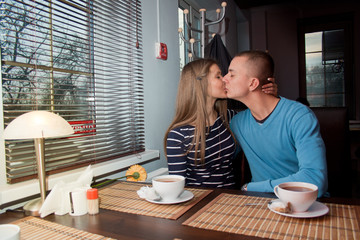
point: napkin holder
(58, 200)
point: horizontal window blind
(81, 59)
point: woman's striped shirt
(217, 171)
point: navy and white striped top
(217, 171)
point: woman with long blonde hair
(198, 143)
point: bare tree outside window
(83, 61)
(54, 79)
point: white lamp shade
(37, 124)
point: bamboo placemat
(123, 197)
(228, 213)
(37, 228)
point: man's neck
(261, 105)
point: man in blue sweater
(280, 137)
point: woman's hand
(271, 87)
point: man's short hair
(262, 64)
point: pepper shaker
(92, 201)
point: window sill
(13, 192)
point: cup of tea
(300, 195)
(169, 187)
(9, 232)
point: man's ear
(254, 84)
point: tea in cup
(169, 187)
(300, 195)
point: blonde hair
(191, 104)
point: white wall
(160, 77)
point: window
(81, 59)
(324, 60)
(326, 65)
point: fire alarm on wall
(161, 51)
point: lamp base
(32, 208)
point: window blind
(81, 59)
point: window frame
(328, 23)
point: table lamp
(38, 125)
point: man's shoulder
(241, 114)
(290, 102)
(297, 112)
(294, 106)
(239, 119)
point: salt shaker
(92, 201)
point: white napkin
(148, 193)
(280, 206)
(58, 200)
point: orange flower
(136, 173)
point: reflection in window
(324, 56)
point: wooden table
(121, 225)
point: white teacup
(9, 232)
(300, 195)
(169, 187)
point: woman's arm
(175, 154)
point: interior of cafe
(113, 75)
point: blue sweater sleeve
(310, 152)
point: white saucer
(316, 210)
(185, 196)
